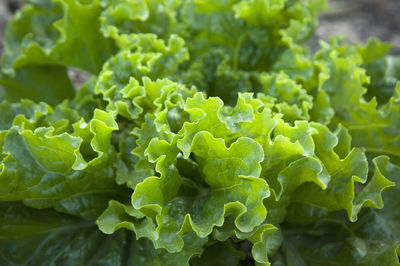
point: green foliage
(207, 135)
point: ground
(360, 20)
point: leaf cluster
(207, 134)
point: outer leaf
(30, 111)
(47, 84)
(340, 191)
(28, 175)
(58, 37)
(34, 237)
(373, 240)
(371, 127)
(219, 254)
(119, 216)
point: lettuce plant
(207, 134)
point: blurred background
(358, 20)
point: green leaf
(384, 77)
(237, 192)
(34, 237)
(339, 193)
(30, 111)
(289, 98)
(119, 216)
(27, 174)
(219, 254)
(49, 84)
(372, 127)
(126, 80)
(208, 134)
(130, 16)
(58, 36)
(258, 12)
(329, 239)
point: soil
(360, 20)
(7, 9)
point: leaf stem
(237, 51)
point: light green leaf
(27, 174)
